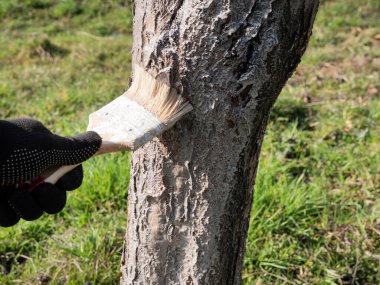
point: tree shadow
(46, 49)
(287, 111)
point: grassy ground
(316, 213)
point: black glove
(27, 149)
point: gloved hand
(27, 149)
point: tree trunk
(191, 189)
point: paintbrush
(144, 111)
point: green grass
(316, 212)
(60, 62)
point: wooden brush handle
(106, 147)
(53, 178)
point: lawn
(316, 212)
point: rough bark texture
(191, 190)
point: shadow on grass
(46, 49)
(289, 111)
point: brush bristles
(157, 97)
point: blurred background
(316, 212)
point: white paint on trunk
(191, 189)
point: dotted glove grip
(27, 148)
(19, 202)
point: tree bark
(191, 189)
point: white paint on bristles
(144, 111)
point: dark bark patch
(243, 98)
(230, 123)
